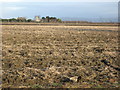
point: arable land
(36, 56)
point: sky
(84, 10)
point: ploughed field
(60, 56)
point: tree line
(23, 19)
(16, 20)
(51, 18)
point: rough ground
(60, 56)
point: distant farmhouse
(37, 19)
(46, 19)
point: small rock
(99, 50)
(74, 79)
(10, 51)
(112, 80)
(79, 78)
(65, 79)
(105, 62)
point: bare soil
(60, 56)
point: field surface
(60, 56)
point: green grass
(56, 84)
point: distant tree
(48, 18)
(21, 19)
(12, 20)
(59, 20)
(5, 20)
(29, 20)
(54, 17)
(43, 17)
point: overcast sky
(59, 0)
(104, 10)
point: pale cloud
(73, 0)
(6, 11)
(11, 0)
(59, 0)
(13, 8)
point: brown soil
(60, 56)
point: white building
(37, 19)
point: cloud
(73, 0)
(11, 0)
(12, 8)
(59, 0)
